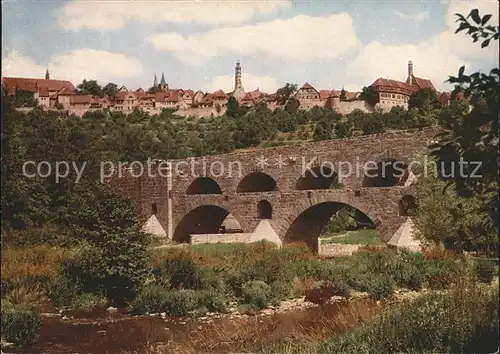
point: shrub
(359, 281)
(342, 289)
(154, 298)
(381, 287)
(213, 300)
(439, 276)
(280, 290)
(182, 271)
(257, 294)
(485, 270)
(151, 299)
(299, 287)
(118, 270)
(20, 326)
(408, 275)
(321, 293)
(433, 323)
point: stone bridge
(295, 189)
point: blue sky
(196, 43)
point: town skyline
(200, 53)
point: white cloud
(250, 82)
(435, 58)
(111, 15)
(418, 16)
(302, 37)
(352, 88)
(15, 64)
(75, 66)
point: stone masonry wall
(285, 165)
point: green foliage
(424, 98)
(369, 95)
(182, 271)
(474, 137)
(457, 222)
(90, 87)
(257, 294)
(381, 287)
(155, 299)
(485, 270)
(433, 323)
(281, 290)
(284, 93)
(213, 300)
(20, 325)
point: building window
(154, 208)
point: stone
(112, 309)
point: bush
(213, 300)
(433, 323)
(381, 287)
(280, 290)
(485, 270)
(342, 289)
(409, 276)
(439, 276)
(154, 299)
(257, 294)
(20, 326)
(182, 271)
(321, 293)
(117, 271)
(151, 299)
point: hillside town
(53, 94)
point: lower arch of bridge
(309, 224)
(205, 219)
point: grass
(363, 237)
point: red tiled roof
(390, 83)
(420, 83)
(33, 85)
(324, 94)
(65, 92)
(307, 86)
(219, 94)
(44, 92)
(189, 92)
(208, 98)
(80, 99)
(172, 96)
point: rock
(163, 314)
(101, 332)
(111, 309)
(64, 318)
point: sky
(329, 43)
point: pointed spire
(162, 81)
(47, 75)
(155, 81)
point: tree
(424, 98)
(110, 89)
(474, 137)
(90, 87)
(292, 105)
(233, 108)
(323, 130)
(284, 93)
(373, 124)
(369, 95)
(343, 130)
(343, 94)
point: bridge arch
(203, 185)
(203, 219)
(309, 217)
(256, 182)
(317, 177)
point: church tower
(155, 82)
(238, 92)
(409, 81)
(47, 75)
(163, 83)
